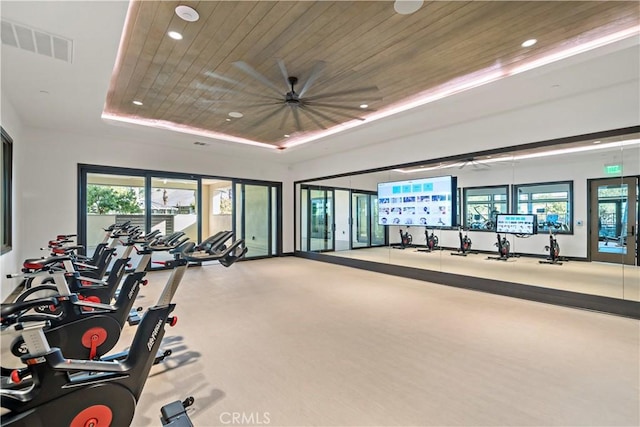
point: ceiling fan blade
(344, 92)
(313, 119)
(269, 116)
(315, 73)
(256, 105)
(218, 76)
(284, 118)
(339, 113)
(210, 88)
(345, 98)
(285, 74)
(296, 116)
(256, 75)
(339, 107)
(319, 114)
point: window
(482, 205)
(551, 202)
(7, 178)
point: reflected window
(551, 202)
(482, 205)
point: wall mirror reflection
(582, 196)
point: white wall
(612, 107)
(9, 262)
(46, 169)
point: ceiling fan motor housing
(292, 97)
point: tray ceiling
(359, 52)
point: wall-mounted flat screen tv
(517, 224)
(422, 202)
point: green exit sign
(613, 169)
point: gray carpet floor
(293, 342)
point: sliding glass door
(336, 219)
(109, 199)
(378, 231)
(173, 209)
(256, 218)
(320, 220)
(360, 213)
(366, 231)
(172, 202)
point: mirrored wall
(582, 192)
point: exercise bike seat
(40, 263)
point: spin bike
(431, 241)
(504, 248)
(405, 239)
(85, 329)
(65, 392)
(553, 248)
(465, 244)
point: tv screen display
(517, 224)
(423, 202)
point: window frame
(7, 192)
(465, 195)
(541, 229)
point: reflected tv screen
(423, 202)
(517, 224)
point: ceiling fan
(478, 165)
(483, 164)
(290, 101)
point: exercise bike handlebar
(8, 311)
(65, 236)
(30, 274)
(118, 226)
(190, 253)
(166, 245)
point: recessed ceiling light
(286, 135)
(137, 102)
(407, 7)
(364, 105)
(236, 114)
(597, 142)
(529, 43)
(187, 13)
(175, 35)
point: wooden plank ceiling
(194, 82)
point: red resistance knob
(173, 320)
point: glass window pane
(482, 205)
(256, 220)
(550, 202)
(112, 199)
(377, 230)
(304, 219)
(360, 220)
(173, 209)
(217, 206)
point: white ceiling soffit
(33, 40)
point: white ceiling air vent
(36, 41)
